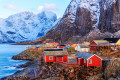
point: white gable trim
(95, 55)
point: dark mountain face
(86, 20)
(110, 18)
(83, 21)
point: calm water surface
(7, 65)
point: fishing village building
(113, 41)
(83, 48)
(88, 59)
(54, 44)
(61, 46)
(99, 44)
(55, 55)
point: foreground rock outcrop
(54, 71)
(29, 54)
(113, 70)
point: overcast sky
(10, 7)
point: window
(90, 61)
(84, 61)
(50, 57)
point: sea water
(8, 66)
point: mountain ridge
(88, 19)
(26, 26)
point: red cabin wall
(59, 59)
(80, 61)
(69, 44)
(92, 47)
(47, 59)
(65, 58)
(96, 61)
(60, 46)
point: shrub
(71, 49)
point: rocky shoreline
(35, 69)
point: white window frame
(84, 61)
(90, 62)
(50, 57)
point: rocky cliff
(88, 20)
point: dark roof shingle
(112, 40)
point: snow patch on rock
(108, 3)
(94, 7)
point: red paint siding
(92, 46)
(65, 58)
(80, 61)
(69, 44)
(60, 46)
(47, 59)
(59, 59)
(56, 59)
(96, 61)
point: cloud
(12, 7)
(40, 8)
(48, 7)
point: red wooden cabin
(96, 44)
(69, 44)
(60, 46)
(87, 59)
(55, 55)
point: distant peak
(48, 14)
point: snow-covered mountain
(84, 18)
(26, 26)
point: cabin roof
(84, 55)
(53, 49)
(101, 42)
(112, 40)
(61, 45)
(83, 46)
(56, 52)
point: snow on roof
(84, 55)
